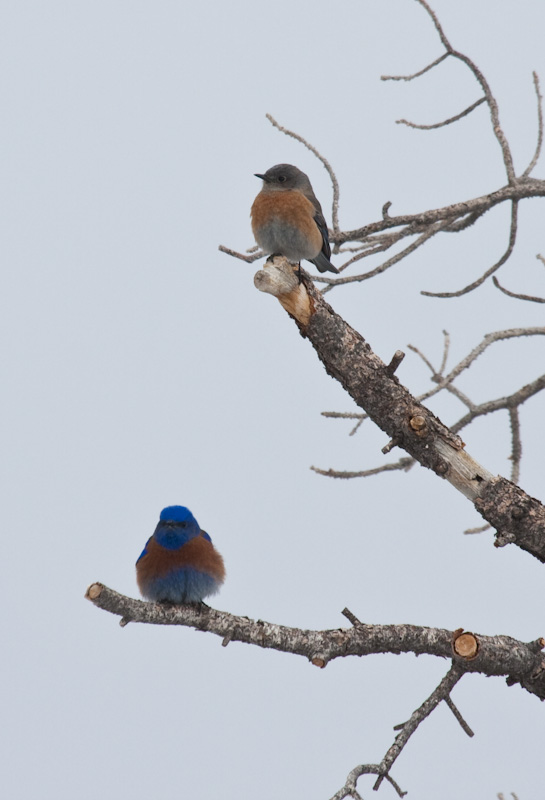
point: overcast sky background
(143, 369)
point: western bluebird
(287, 218)
(179, 563)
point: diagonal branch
(463, 724)
(445, 122)
(494, 267)
(490, 99)
(349, 359)
(416, 74)
(529, 297)
(431, 231)
(439, 694)
(510, 402)
(465, 363)
(325, 162)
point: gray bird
(287, 218)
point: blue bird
(179, 563)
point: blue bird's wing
(145, 550)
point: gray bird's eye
(281, 178)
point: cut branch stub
(465, 644)
(279, 278)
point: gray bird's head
(284, 177)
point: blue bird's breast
(185, 574)
(183, 585)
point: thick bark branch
(347, 357)
(520, 662)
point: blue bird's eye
(281, 178)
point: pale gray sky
(142, 369)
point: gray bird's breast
(278, 236)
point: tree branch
(445, 122)
(539, 144)
(529, 297)
(519, 662)
(348, 358)
(510, 246)
(449, 219)
(490, 99)
(325, 162)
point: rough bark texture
(518, 518)
(349, 359)
(497, 655)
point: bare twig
(424, 359)
(404, 464)
(439, 694)
(486, 342)
(343, 415)
(432, 230)
(539, 144)
(347, 415)
(249, 258)
(516, 445)
(445, 122)
(511, 401)
(325, 162)
(480, 529)
(494, 267)
(465, 727)
(529, 297)
(490, 99)
(416, 74)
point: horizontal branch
(497, 655)
(349, 359)
(522, 189)
(403, 464)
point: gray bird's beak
(263, 178)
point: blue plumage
(179, 563)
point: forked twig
(440, 693)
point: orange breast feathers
(198, 553)
(283, 223)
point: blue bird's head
(177, 525)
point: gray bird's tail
(324, 264)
